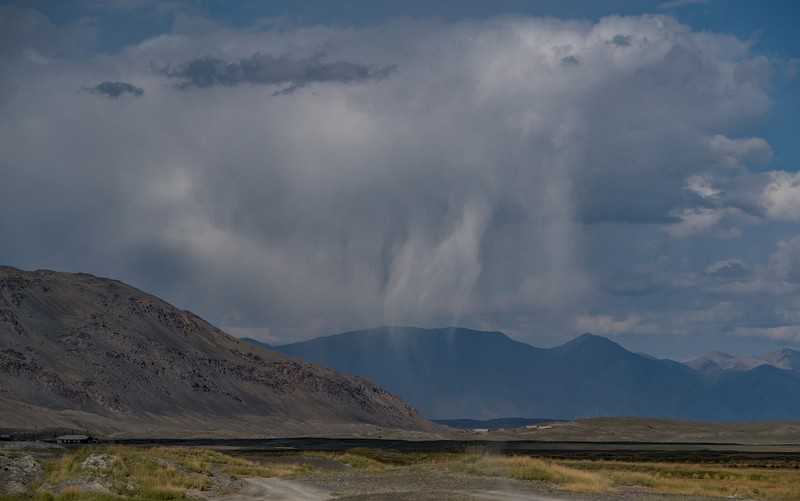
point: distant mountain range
(718, 362)
(455, 373)
(88, 352)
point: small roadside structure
(73, 439)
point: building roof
(73, 437)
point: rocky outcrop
(19, 469)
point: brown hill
(82, 351)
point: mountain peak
(589, 341)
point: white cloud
(782, 333)
(740, 152)
(781, 196)
(702, 185)
(721, 222)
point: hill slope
(77, 350)
(460, 373)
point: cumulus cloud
(781, 196)
(114, 89)
(489, 181)
(269, 70)
(702, 185)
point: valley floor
(112, 472)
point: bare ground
(418, 485)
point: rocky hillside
(78, 350)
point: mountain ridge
(588, 376)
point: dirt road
(274, 489)
(420, 486)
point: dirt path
(509, 496)
(427, 485)
(426, 488)
(275, 489)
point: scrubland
(100, 473)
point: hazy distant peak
(588, 341)
(719, 356)
(405, 334)
(783, 359)
(716, 361)
(584, 338)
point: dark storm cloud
(26, 32)
(269, 70)
(622, 40)
(633, 284)
(570, 61)
(114, 89)
(487, 184)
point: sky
(294, 169)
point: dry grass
(693, 479)
(540, 470)
(659, 478)
(476, 462)
(133, 473)
(778, 484)
(161, 473)
(206, 462)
